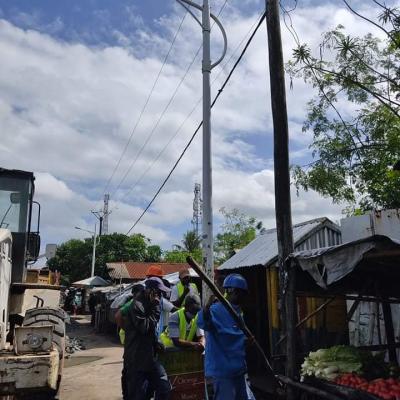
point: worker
(182, 328)
(166, 306)
(182, 288)
(225, 355)
(137, 289)
(143, 370)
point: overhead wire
(137, 182)
(199, 126)
(163, 112)
(145, 103)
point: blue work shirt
(225, 354)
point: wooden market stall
(363, 271)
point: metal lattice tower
(197, 208)
(106, 213)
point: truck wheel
(49, 316)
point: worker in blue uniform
(225, 353)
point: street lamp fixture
(94, 246)
(207, 66)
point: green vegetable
(328, 363)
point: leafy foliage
(74, 257)
(237, 231)
(355, 117)
(191, 246)
(191, 242)
(179, 256)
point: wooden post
(282, 179)
(390, 337)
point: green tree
(355, 116)
(237, 230)
(153, 253)
(179, 256)
(74, 257)
(191, 242)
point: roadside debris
(74, 344)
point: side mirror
(33, 246)
(50, 250)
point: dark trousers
(139, 383)
(124, 382)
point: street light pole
(94, 246)
(94, 251)
(207, 66)
(207, 225)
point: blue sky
(73, 81)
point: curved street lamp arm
(216, 20)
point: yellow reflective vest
(167, 341)
(181, 288)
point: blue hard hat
(235, 281)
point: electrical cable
(189, 115)
(157, 123)
(199, 126)
(162, 113)
(145, 105)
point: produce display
(351, 367)
(388, 389)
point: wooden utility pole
(282, 180)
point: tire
(49, 316)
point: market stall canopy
(92, 281)
(350, 266)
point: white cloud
(67, 110)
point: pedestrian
(143, 370)
(92, 301)
(77, 302)
(137, 288)
(182, 288)
(166, 306)
(225, 353)
(183, 330)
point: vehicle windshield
(14, 201)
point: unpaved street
(94, 373)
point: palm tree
(191, 242)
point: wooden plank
(390, 336)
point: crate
(185, 372)
(179, 361)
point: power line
(199, 126)
(163, 113)
(145, 105)
(157, 122)
(189, 115)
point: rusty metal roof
(137, 270)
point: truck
(32, 325)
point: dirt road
(94, 373)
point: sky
(74, 79)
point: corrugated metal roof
(264, 248)
(137, 270)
